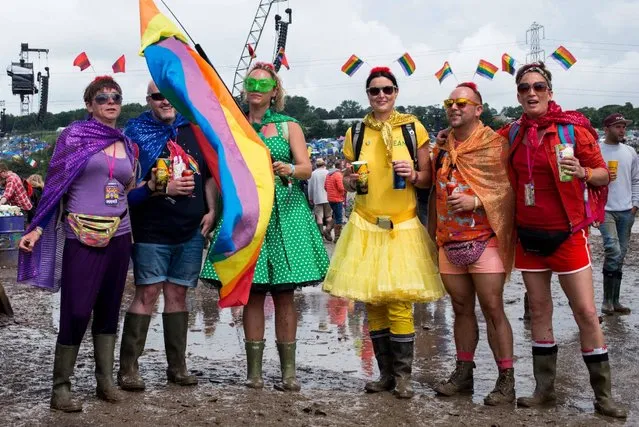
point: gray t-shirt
(624, 191)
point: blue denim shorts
(179, 264)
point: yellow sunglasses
(461, 102)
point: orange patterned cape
(481, 160)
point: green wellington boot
(175, 327)
(63, 364)
(289, 382)
(103, 349)
(254, 355)
(134, 331)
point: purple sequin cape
(73, 149)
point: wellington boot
(504, 391)
(134, 331)
(460, 381)
(545, 371)
(616, 290)
(254, 354)
(175, 327)
(601, 385)
(63, 364)
(103, 348)
(403, 366)
(382, 347)
(608, 286)
(289, 382)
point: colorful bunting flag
(239, 161)
(486, 69)
(508, 64)
(407, 64)
(444, 72)
(351, 66)
(82, 61)
(119, 65)
(564, 57)
(282, 58)
(251, 50)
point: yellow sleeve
(421, 134)
(347, 148)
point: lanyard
(110, 162)
(530, 158)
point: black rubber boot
(134, 331)
(402, 348)
(382, 347)
(616, 290)
(608, 286)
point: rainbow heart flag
(564, 57)
(508, 64)
(407, 63)
(486, 69)
(236, 156)
(444, 72)
(351, 66)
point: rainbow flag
(351, 66)
(407, 63)
(281, 55)
(443, 72)
(564, 57)
(486, 69)
(236, 156)
(508, 64)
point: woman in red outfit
(553, 213)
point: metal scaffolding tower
(253, 39)
(534, 35)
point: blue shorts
(338, 212)
(179, 264)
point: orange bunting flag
(82, 61)
(119, 65)
(251, 50)
(282, 57)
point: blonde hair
(278, 101)
(36, 181)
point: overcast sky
(604, 39)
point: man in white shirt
(622, 205)
(319, 199)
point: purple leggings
(93, 280)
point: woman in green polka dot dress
(293, 254)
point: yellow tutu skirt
(378, 266)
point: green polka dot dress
(293, 254)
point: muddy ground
(335, 358)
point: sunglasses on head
(259, 85)
(374, 91)
(157, 96)
(460, 102)
(103, 98)
(538, 87)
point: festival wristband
(39, 230)
(292, 169)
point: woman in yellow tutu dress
(384, 256)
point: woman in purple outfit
(81, 229)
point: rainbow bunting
(486, 69)
(351, 66)
(281, 56)
(443, 72)
(407, 63)
(564, 57)
(508, 64)
(236, 156)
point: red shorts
(571, 257)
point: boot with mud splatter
(402, 347)
(608, 285)
(460, 381)
(254, 354)
(175, 327)
(63, 364)
(504, 391)
(616, 291)
(103, 348)
(382, 347)
(544, 370)
(289, 382)
(601, 384)
(134, 331)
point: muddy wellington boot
(103, 349)
(608, 285)
(504, 391)
(403, 366)
(382, 347)
(460, 381)
(289, 382)
(616, 290)
(134, 333)
(545, 371)
(175, 327)
(601, 385)
(338, 232)
(254, 354)
(63, 364)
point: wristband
(38, 230)
(292, 169)
(587, 174)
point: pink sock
(465, 356)
(503, 364)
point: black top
(173, 220)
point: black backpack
(410, 138)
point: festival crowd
(523, 197)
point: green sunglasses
(259, 85)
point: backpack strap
(410, 139)
(566, 134)
(512, 133)
(357, 138)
